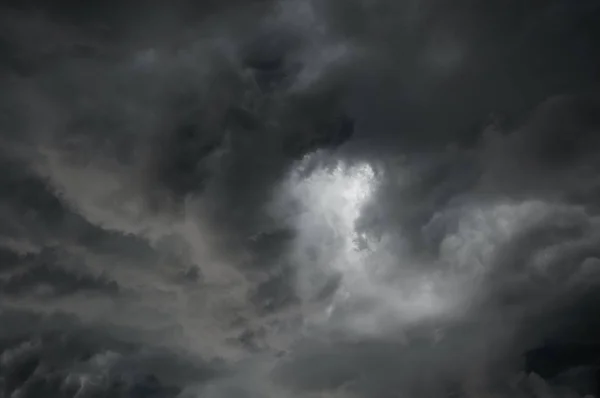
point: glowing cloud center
(328, 203)
(332, 199)
(371, 294)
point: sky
(299, 199)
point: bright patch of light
(329, 202)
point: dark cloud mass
(297, 198)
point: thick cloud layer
(299, 198)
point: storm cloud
(299, 198)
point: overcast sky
(302, 199)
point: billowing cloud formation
(299, 198)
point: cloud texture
(295, 198)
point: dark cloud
(62, 358)
(299, 198)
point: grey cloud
(42, 273)
(66, 359)
(531, 238)
(146, 145)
